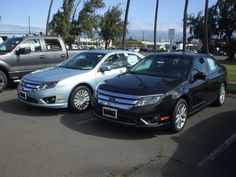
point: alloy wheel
(82, 99)
(222, 93)
(181, 116)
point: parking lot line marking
(218, 150)
(85, 121)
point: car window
(32, 44)
(211, 65)
(132, 59)
(82, 61)
(164, 66)
(9, 44)
(115, 61)
(144, 65)
(199, 66)
(53, 45)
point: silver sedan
(72, 83)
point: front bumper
(146, 116)
(40, 98)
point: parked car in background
(162, 89)
(22, 55)
(72, 83)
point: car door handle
(41, 56)
(63, 55)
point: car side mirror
(104, 68)
(199, 76)
(23, 51)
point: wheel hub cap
(181, 115)
(81, 99)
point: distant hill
(136, 31)
(10, 30)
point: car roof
(109, 51)
(181, 54)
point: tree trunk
(206, 46)
(185, 25)
(125, 24)
(155, 27)
(49, 13)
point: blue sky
(141, 13)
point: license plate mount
(109, 112)
(23, 95)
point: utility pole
(185, 25)
(29, 25)
(49, 13)
(125, 23)
(206, 46)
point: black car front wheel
(80, 99)
(179, 116)
(221, 95)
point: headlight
(47, 85)
(147, 100)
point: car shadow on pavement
(14, 106)
(196, 143)
(86, 123)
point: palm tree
(206, 47)
(49, 13)
(125, 23)
(185, 25)
(155, 26)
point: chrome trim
(120, 95)
(119, 100)
(126, 96)
(146, 123)
(115, 105)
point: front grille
(116, 100)
(28, 86)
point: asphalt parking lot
(36, 142)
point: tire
(221, 96)
(3, 81)
(80, 99)
(179, 116)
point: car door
(30, 61)
(199, 87)
(116, 63)
(54, 53)
(213, 78)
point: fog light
(50, 100)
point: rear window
(53, 45)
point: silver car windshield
(82, 61)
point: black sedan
(162, 89)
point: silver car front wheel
(80, 99)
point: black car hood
(135, 84)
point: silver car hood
(53, 74)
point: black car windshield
(175, 66)
(82, 61)
(9, 44)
